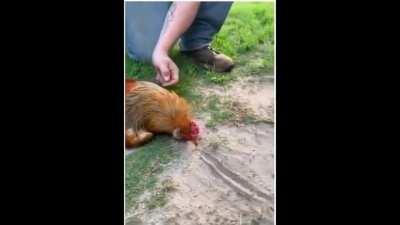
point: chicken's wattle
(194, 133)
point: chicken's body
(153, 109)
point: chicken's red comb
(194, 128)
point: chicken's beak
(195, 141)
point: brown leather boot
(210, 59)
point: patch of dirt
(229, 177)
(254, 93)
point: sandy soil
(256, 93)
(229, 177)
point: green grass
(246, 36)
(143, 166)
(247, 26)
(221, 111)
(218, 110)
(159, 197)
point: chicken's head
(190, 132)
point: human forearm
(178, 20)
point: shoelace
(213, 50)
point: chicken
(151, 109)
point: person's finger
(174, 71)
(165, 73)
(174, 76)
(158, 79)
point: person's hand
(167, 71)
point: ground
(228, 177)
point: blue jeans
(144, 21)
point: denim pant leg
(144, 22)
(209, 20)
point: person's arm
(178, 20)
